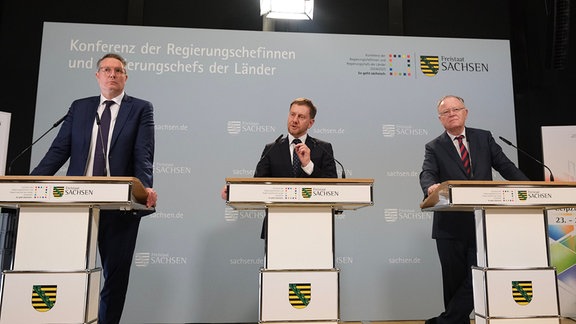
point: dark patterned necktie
(296, 165)
(102, 141)
(464, 154)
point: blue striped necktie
(296, 165)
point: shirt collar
(453, 137)
(117, 100)
(302, 138)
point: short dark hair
(111, 55)
(305, 102)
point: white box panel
(495, 296)
(511, 238)
(300, 238)
(76, 299)
(55, 239)
(321, 296)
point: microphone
(98, 122)
(276, 141)
(331, 155)
(530, 156)
(56, 124)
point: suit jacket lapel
(473, 146)
(121, 119)
(452, 152)
(310, 144)
(91, 112)
(285, 154)
(472, 141)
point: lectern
(49, 238)
(299, 281)
(513, 282)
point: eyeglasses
(109, 71)
(448, 111)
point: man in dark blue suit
(452, 157)
(130, 152)
(316, 157)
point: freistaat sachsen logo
(299, 294)
(522, 194)
(522, 292)
(306, 192)
(429, 65)
(58, 191)
(43, 297)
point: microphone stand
(528, 155)
(56, 124)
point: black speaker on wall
(558, 26)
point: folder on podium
(49, 244)
(513, 281)
(299, 281)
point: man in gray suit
(460, 153)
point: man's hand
(303, 152)
(224, 192)
(432, 188)
(152, 198)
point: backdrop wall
(559, 145)
(220, 95)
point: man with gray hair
(459, 153)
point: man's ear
(311, 123)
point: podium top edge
(34, 178)
(138, 190)
(505, 183)
(300, 180)
(445, 187)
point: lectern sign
(300, 193)
(512, 196)
(63, 192)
